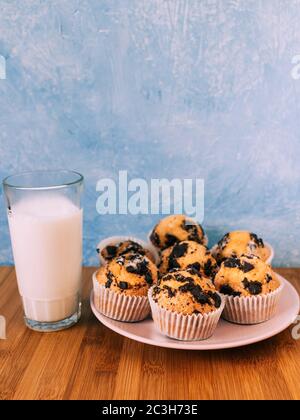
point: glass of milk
(45, 221)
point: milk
(46, 234)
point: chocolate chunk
(179, 250)
(194, 230)
(156, 290)
(195, 266)
(141, 269)
(193, 271)
(170, 240)
(155, 238)
(216, 298)
(208, 268)
(228, 290)
(254, 287)
(120, 261)
(224, 241)
(173, 264)
(200, 297)
(268, 278)
(171, 292)
(187, 287)
(196, 291)
(246, 267)
(123, 285)
(133, 247)
(98, 251)
(148, 278)
(110, 279)
(181, 278)
(232, 263)
(111, 251)
(168, 277)
(258, 241)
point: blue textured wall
(162, 88)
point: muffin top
(130, 274)
(246, 276)
(124, 248)
(186, 292)
(237, 243)
(177, 228)
(188, 254)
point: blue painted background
(178, 88)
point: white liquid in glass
(46, 234)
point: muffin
(252, 289)
(188, 254)
(237, 243)
(177, 228)
(113, 248)
(121, 287)
(185, 305)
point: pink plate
(226, 336)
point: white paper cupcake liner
(269, 247)
(114, 240)
(185, 327)
(252, 309)
(119, 306)
(271, 253)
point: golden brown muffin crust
(177, 228)
(124, 248)
(131, 275)
(188, 254)
(186, 292)
(237, 243)
(246, 276)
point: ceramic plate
(226, 336)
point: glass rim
(79, 179)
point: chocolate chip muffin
(177, 228)
(121, 287)
(127, 247)
(245, 276)
(130, 274)
(185, 305)
(188, 254)
(237, 243)
(253, 289)
(186, 292)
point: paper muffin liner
(249, 310)
(185, 327)
(271, 253)
(269, 247)
(114, 240)
(119, 306)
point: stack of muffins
(186, 286)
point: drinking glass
(45, 222)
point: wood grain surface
(89, 361)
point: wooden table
(89, 361)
